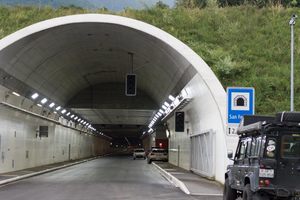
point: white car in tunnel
(157, 155)
(139, 153)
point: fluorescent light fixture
(68, 113)
(166, 104)
(75, 118)
(14, 93)
(52, 104)
(44, 100)
(171, 98)
(58, 108)
(63, 111)
(84, 123)
(39, 105)
(159, 114)
(72, 116)
(55, 112)
(150, 129)
(34, 96)
(161, 111)
(164, 107)
(79, 120)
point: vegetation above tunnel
(245, 46)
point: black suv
(267, 160)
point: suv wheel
(229, 193)
(247, 193)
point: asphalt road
(109, 178)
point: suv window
(256, 146)
(290, 146)
(242, 150)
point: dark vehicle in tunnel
(267, 160)
(157, 154)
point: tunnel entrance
(79, 65)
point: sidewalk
(9, 177)
(189, 182)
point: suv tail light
(264, 182)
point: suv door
(288, 171)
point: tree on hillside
(191, 3)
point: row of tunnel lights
(62, 111)
(165, 108)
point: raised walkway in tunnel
(113, 177)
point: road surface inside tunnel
(108, 178)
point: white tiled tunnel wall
(201, 114)
(18, 140)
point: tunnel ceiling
(63, 59)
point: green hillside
(245, 46)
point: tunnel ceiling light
(58, 108)
(63, 111)
(14, 93)
(68, 113)
(79, 120)
(164, 107)
(34, 96)
(39, 105)
(166, 104)
(75, 118)
(159, 114)
(171, 98)
(84, 123)
(51, 105)
(161, 111)
(44, 100)
(55, 112)
(72, 116)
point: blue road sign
(240, 102)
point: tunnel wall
(201, 114)
(21, 148)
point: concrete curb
(7, 181)
(172, 179)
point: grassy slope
(244, 46)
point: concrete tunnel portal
(80, 63)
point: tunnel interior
(82, 68)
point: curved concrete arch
(209, 96)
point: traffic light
(130, 85)
(179, 121)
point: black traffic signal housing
(179, 121)
(130, 85)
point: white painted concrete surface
(169, 65)
(20, 147)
